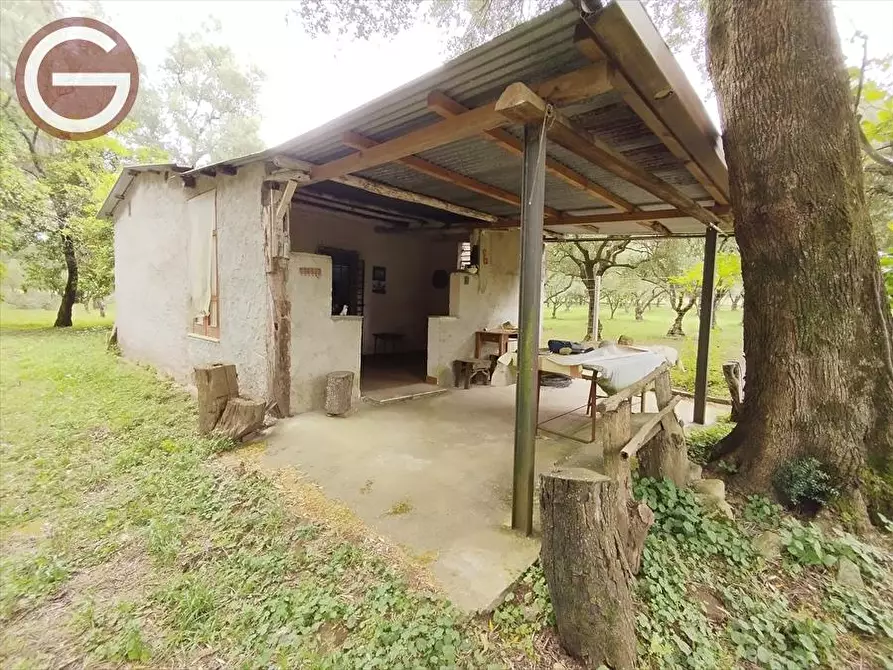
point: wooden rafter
(445, 106)
(465, 125)
(519, 103)
(656, 89)
(293, 168)
(357, 141)
(647, 216)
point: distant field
(30, 319)
(725, 339)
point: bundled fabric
(562, 347)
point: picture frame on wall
(379, 279)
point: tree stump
(215, 384)
(665, 456)
(586, 549)
(339, 392)
(241, 417)
(731, 370)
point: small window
(464, 260)
(203, 214)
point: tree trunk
(590, 530)
(676, 328)
(735, 300)
(817, 334)
(69, 295)
(554, 309)
(590, 318)
(640, 313)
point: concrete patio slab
(435, 475)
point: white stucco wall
(152, 281)
(320, 343)
(409, 261)
(484, 300)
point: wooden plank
(521, 104)
(624, 33)
(646, 432)
(650, 218)
(410, 196)
(285, 199)
(292, 166)
(611, 403)
(357, 141)
(469, 124)
(442, 104)
(582, 84)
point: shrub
(804, 483)
(702, 441)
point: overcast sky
(309, 81)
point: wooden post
(527, 391)
(706, 319)
(731, 370)
(277, 244)
(589, 537)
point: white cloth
(619, 366)
(202, 213)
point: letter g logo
(76, 78)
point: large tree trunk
(69, 295)
(817, 334)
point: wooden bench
(466, 369)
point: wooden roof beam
(357, 141)
(293, 168)
(522, 105)
(648, 218)
(468, 124)
(445, 106)
(621, 32)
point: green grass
(725, 340)
(32, 319)
(127, 540)
(124, 539)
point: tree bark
(817, 333)
(241, 417)
(585, 558)
(731, 371)
(70, 293)
(676, 328)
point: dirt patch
(43, 635)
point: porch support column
(704, 326)
(529, 311)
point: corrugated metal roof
(128, 174)
(533, 52)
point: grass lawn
(725, 340)
(126, 540)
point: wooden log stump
(215, 384)
(665, 456)
(586, 560)
(241, 417)
(731, 370)
(339, 392)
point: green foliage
(111, 634)
(861, 611)
(762, 511)
(808, 546)
(765, 633)
(525, 611)
(805, 482)
(678, 514)
(701, 441)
